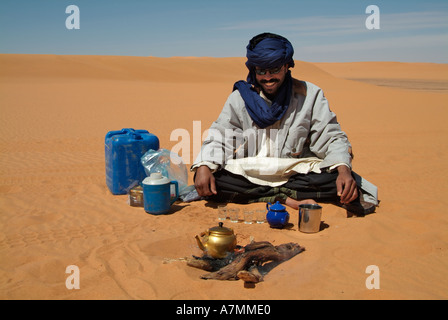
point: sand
(56, 210)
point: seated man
(277, 140)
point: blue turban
(270, 52)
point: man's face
(270, 80)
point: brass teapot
(217, 241)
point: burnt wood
(246, 264)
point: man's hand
(346, 185)
(204, 181)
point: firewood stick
(254, 257)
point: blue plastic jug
(157, 195)
(124, 149)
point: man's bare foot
(295, 203)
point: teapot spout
(200, 245)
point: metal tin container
(136, 196)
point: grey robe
(308, 129)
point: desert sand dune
(56, 209)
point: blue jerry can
(123, 149)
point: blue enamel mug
(157, 197)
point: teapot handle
(267, 206)
(176, 193)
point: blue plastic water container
(123, 149)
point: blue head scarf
(266, 51)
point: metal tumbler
(309, 217)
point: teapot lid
(277, 207)
(221, 230)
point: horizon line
(210, 57)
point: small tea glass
(222, 213)
(260, 215)
(248, 216)
(234, 214)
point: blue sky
(320, 30)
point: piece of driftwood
(248, 264)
